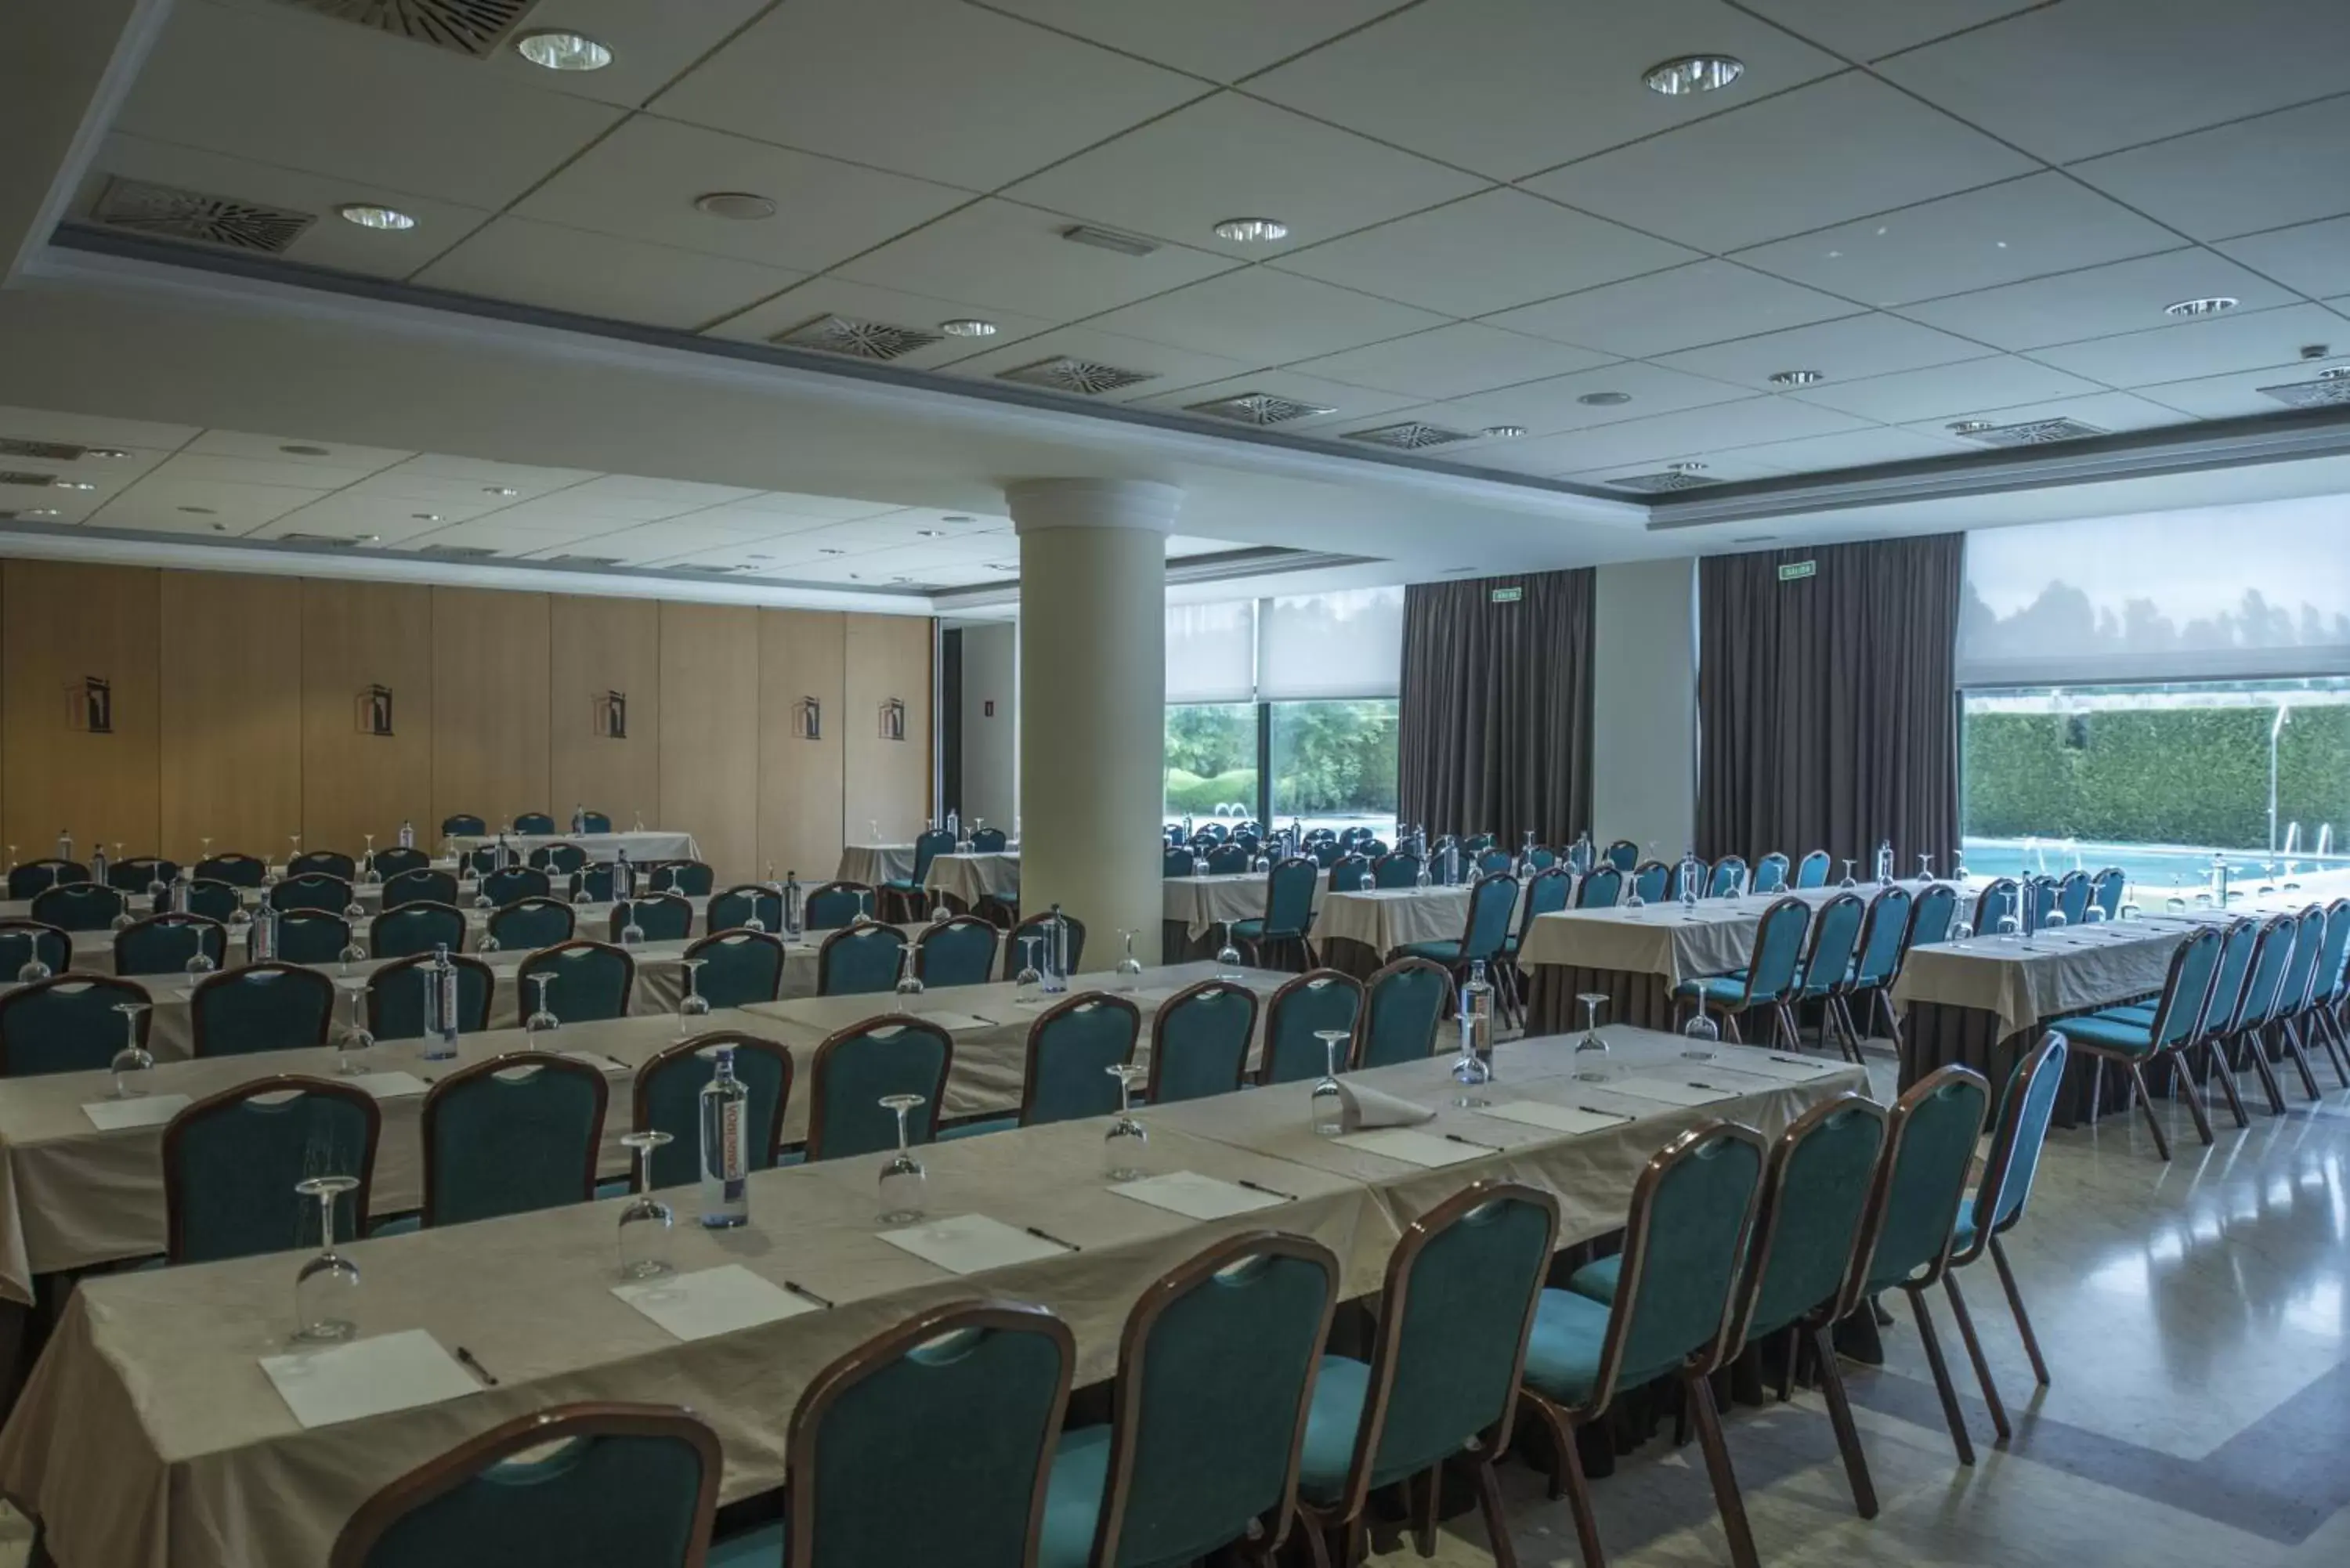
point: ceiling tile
(1725, 468)
(644, 542)
(199, 465)
(1847, 448)
(530, 480)
(2263, 173)
(1673, 437)
(2086, 77)
(639, 182)
(1488, 253)
(48, 495)
(1224, 39)
(277, 86)
(1232, 157)
(764, 517)
(1351, 406)
(649, 44)
(2112, 411)
(1168, 368)
(557, 268)
(2236, 395)
(933, 87)
(347, 462)
(2211, 347)
(1013, 258)
(1271, 317)
(219, 508)
(390, 519)
(1704, 303)
(2126, 297)
(836, 296)
(1509, 87)
(418, 486)
(2314, 258)
(1844, 350)
(624, 493)
(1949, 389)
(94, 429)
(1870, 30)
(1819, 155)
(1556, 403)
(1452, 361)
(2019, 228)
(837, 507)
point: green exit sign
(1508, 596)
(1796, 571)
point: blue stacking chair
(395, 996)
(990, 841)
(669, 1099)
(1600, 890)
(904, 893)
(2177, 1025)
(78, 906)
(1878, 961)
(595, 822)
(687, 878)
(2329, 985)
(2001, 899)
(463, 824)
(2309, 984)
(1491, 902)
(1404, 1005)
(957, 952)
(534, 824)
(515, 883)
(1397, 868)
(739, 967)
(736, 907)
(1229, 859)
(312, 936)
(860, 961)
(141, 873)
(592, 983)
(1546, 894)
(231, 1159)
(1071, 1049)
(2105, 889)
(271, 1006)
(527, 925)
(1695, 874)
(2258, 1006)
(1728, 872)
(1768, 979)
(1770, 874)
(391, 862)
(1650, 881)
(1930, 917)
(1175, 862)
(1288, 914)
(2072, 894)
(662, 916)
(1200, 1041)
(517, 1133)
(235, 869)
(1321, 998)
(1812, 870)
(892, 1054)
(23, 941)
(416, 928)
(1622, 855)
(2293, 995)
(67, 1023)
(323, 862)
(2231, 984)
(837, 904)
(1040, 926)
(558, 859)
(423, 885)
(311, 890)
(163, 944)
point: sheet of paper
(597, 1060)
(957, 1023)
(368, 1377)
(1571, 1120)
(388, 1085)
(1672, 1091)
(1410, 1146)
(712, 1300)
(1772, 1064)
(146, 1111)
(971, 1243)
(1197, 1197)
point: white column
(1093, 693)
(1643, 706)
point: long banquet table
(642, 844)
(149, 1434)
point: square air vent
(2034, 433)
(1259, 409)
(19, 476)
(2325, 392)
(585, 560)
(474, 27)
(166, 212)
(1081, 376)
(1408, 436)
(336, 540)
(459, 552)
(1660, 481)
(46, 450)
(856, 340)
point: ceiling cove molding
(1224, 567)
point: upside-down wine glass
(200, 961)
(2008, 928)
(909, 983)
(1592, 1000)
(354, 951)
(132, 1063)
(368, 876)
(543, 1020)
(692, 1004)
(1847, 881)
(1960, 931)
(631, 933)
(1130, 968)
(1029, 983)
(1228, 957)
(325, 1293)
(905, 1185)
(645, 1223)
(1327, 1108)
(1126, 1141)
(355, 910)
(350, 1058)
(1925, 868)
(1702, 1035)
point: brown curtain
(1494, 726)
(1827, 705)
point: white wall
(990, 743)
(1644, 705)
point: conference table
(874, 864)
(971, 877)
(643, 844)
(149, 1432)
(1356, 930)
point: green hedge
(1188, 792)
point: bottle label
(729, 1148)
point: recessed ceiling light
(931, 533)
(1604, 399)
(743, 206)
(1693, 73)
(107, 451)
(968, 327)
(307, 450)
(2211, 306)
(426, 516)
(2335, 373)
(1503, 432)
(41, 511)
(1686, 467)
(368, 215)
(1969, 427)
(369, 538)
(1251, 231)
(72, 484)
(1797, 378)
(560, 51)
(500, 490)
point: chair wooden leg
(2299, 1058)
(2261, 1070)
(1932, 1345)
(1975, 1354)
(1697, 1393)
(2015, 1305)
(2097, 1087)
(1730, 1027)
(1421, 1490)
(2145, 1103)
(1309, 1527)
(1847, 1436)
(1892, 1019)
(2192, 1092)
(2226, 1077)
(1497, 1522)
(2328, 1031)
(1578, 1502)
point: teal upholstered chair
(483, 859)
(575, 1484)
(594, 880)
(1624, 854)
(1825, 975)
(688, 879)
(1396, 870)
(662, 916)
(1040, 926)
(860, 961)
(1174, 861)
(323, 862)
(231, 1161)
(2231, 985)
(424, 885)
(391, 862)
(958, 951)
(274, 1006)
(1324, 852)
(1665, 1309)
(1651, 880)
(1812, 870)
(990, 840)
(1350, 872)
(1495, 862)
(592, 980)
(141, 873)
(1318, 1000)
(1215, 1371)
(2175, 1025)
(2330, 985)
(2105, 889)
(557, 859)
(2294, 1024)
(235, 868)
(1440, 1386)
(1768, 979)
(79, 906)
(23, 941)
(595, 822)
(1600, 890)
(1404, 1005)
(311, 890)
(534, 824)
(416, 928)
(1691, 875)
(1548, 893)
(1727, 876)
(2073, 895)
(214, 900)
(514, 883)
(2242, 1037)
(518, 1132)
(1072, 1046)
(2000, 899)
(67, 1023)
(463, 824)
(1931, 915)
(736, 907)
(1770, 874)
(892, 1054)
(1200, 1041)
(1492, 901)
(2039, 893)
(527, 925)
(312, 936)
(36, 877)
(837, 904)
(395, 996)
(739, 966)
(1288, 914)
(1229, 859)
(1877, 961)
(669, 1099)
(906, 892)
(163, 944)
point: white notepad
(957, 1023)
(368, 1377)
(1571, 1120)
(146, 1111)
(1672, 1092)
(971, 1243)
(1764, 1065)
(388, 1085)
(1411, 1147)
(597, 1060)
(712, 1300)
(1197, 1197)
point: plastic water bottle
(624, 878)
(1057, 955)
(794, 914)
(726, 1107)
(407, 833)
(260, 938)
(441, 1007)
(98, 865)
(1477, 1014)
(65, 845)
(181, 894)
(579, 820)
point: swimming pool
(2152, 867)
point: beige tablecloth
(1714, 938)
(2060, 972)
(650, 844)
(1201, 904)
(874, 864)
(969, 877)
(1388, 918)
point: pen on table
(1596, 1111)
(1261, 1186)
(1472, 1143)
(466, 1358)
(1043, 1235)
(805, 1294)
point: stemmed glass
(32, 969)
(200, 961)
(2054, 922)
(2008, 927)
(481, 899)
(1130, 968)
(1847, 881)
(1925, 868)
(356, 1042)
(692, 1004)
(909, 983)
(1592, 1000)
(1228, 957)
(132, 1063)
(645, 1222)
(1327, 1108)
(1029, 983)
(367, 877)
(631, 933)
(355, 910)
(325, 1293)
(875, 824)
(1960, 931)
(1123, 1143)
(543, 1020)
(1702, 1035)
(354, 951)
(1688, 897)
(905, 1185)
(579, 894)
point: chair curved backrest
(1835, 938)
(2229, 981)
(1913, 1203)
(669, 1099)
(163, 944)
(1691, 877)
(1404, 1005)
(391, 862)
(1199, 1041)
(662, 916)
(1492, 901)
(1624, 854)
(21, 941)
(2299, 976)
(67, 1023)
(1318, 1000)
(463, 824)
(618, 1483)
(1289, 899)
(2105, 889)
(1175, 861)
(929, 844)
(956, 952)
(416, 928)
(1879, 953)
(1347, 871)
(273, 1006)
(1930, 915)
(231, 1161)
(1778, 945)
(1770, 874)
(141, 873)
(1729, 873)
(1493, 862)
(1812, 870)
(836, 904)
(395, 996)
(2333, 959)
(1040, 926)
(1325, 852)
(1229, 859)
(1071, 1048)
(517, 1133)
(2000, 898)
(2271, 956)
(860, 961)
(560, 860)
(595, 878)
(2025, 1103)
(1600, 890)
(1547, 892)
(1807, 1221)
(424, 885)
(323, 862)
(534, 824)
(236, 869)
(512, 884)
(892, 1054)
(691, 879)
(214, 900)
(1003, 1369)
(528, 924)
(595, 821)
(2039, 894)
(593, 980)
(732, 910)
(2187, 993)
(989, 840)
(312, 936)
(311, 890)
(79, 906)
(739, 966)
(1398, 868)
(2073, 892)
(35, 876)
(1650, 880)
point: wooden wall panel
(490, 718)
(231, 714)
(602, 646)
(64, 624)
(802, 655)
(355, 635)
(710, 732)
(887, 778)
